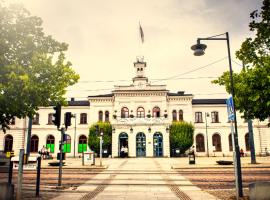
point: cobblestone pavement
(140, 178)
(221, 182)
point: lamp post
(100, 145)
(206, 133)
(199, 51)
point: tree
(94, 141)
(33, 68)
(181, 135)
(252, 93)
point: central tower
(140, 79)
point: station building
(141, 114)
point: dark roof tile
(208, 101)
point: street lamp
(199, 50)
(207, 147)
(100, 147)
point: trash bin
(191, 158)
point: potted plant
(114, 116)
(131, 115)
(165, 115)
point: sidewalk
(210, 162)
(181, 162)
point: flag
(141, 33)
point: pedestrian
(242, 153)
(43, 152)
(122, 152)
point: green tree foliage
(181, 135)
(93, 139)
(33, 69)
(252, 84)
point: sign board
(32, 163)
(88, 158)
(230, 109)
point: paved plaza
(140, 178)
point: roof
(78, 103)
(181, 93)
(102, 95)
(208, 101)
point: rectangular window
(12, 121)
(214, 116)
(198, 117)
(35, 120)
(83, 118)
(50, 118)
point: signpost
(237, 164)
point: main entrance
(140, 145)
(158, 145)
(123, 145)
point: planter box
(224, 162)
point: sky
(104, 40)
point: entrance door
(123, 145)
(158, 145)
(140, 145)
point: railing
(146, 120)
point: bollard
(38, 176)
(10, 172)
(82, 158)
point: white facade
(144, 135)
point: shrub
(181, 136)
(94, 141)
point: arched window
(83, 118)
(174, 115)
(82, 144)
(200, 143)
(156, 112)
(34, 144)
(100, 116)
(216, 141)
(247, 142)
(67, 145)
(50, 143)
(35, 120)
(140, 112)
(230, 142)
(181, 115)
(124, 112)
(8, 143)
(107, 114)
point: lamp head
(198, 49)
